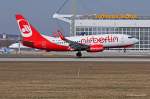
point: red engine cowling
(96, 48)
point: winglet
(61, 35)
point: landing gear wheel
(124, 50)
(79, 54)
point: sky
(39, 12)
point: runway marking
(76, 59)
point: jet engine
(96, 48)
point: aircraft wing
(75, 45)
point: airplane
(90, 43)
(5, 50)
(20, 46)
(17, 45)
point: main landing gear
(79, 54)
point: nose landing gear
(124, 50)
(79, 54)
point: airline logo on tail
(25, 28)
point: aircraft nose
(136, 40)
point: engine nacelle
(96, 48)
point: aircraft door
(122, 39)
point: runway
(90, 59)
(106, 56)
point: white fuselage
(107, 40)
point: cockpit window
(130, 37)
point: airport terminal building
(136, 26)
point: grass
(74, 80)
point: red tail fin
(28, 32)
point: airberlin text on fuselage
(107, 39)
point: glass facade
(141, 33)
